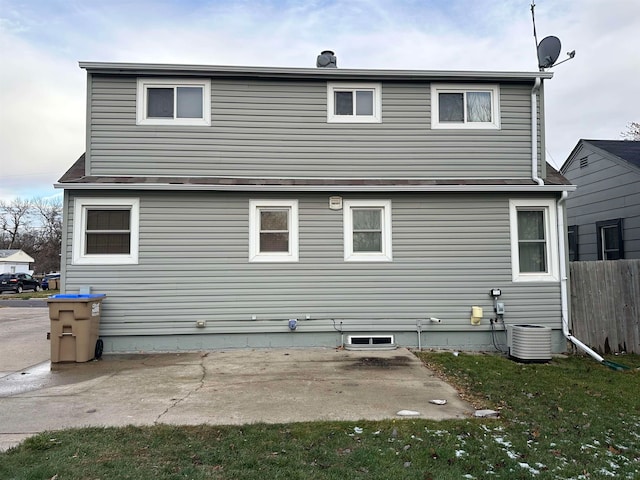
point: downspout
(563, 283)
(534, 132)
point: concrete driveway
(217, 387)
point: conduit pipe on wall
(563, 283)
(534, 131)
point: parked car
(46, 284)
(18, 282)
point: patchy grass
(28, 295)
(569, 419)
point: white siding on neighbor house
(278, 128)
(607, 190)
(449, 250)
(15, 267)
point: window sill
(465, 126)
(349, 119)
(273, 259)
(532, 278)
(371, 257)
(105, 260)
(182, 122)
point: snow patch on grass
(502, 441)
(526, 466)
(606, 472)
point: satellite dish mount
(548, 49)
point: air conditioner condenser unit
(529, 343)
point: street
(21, 303)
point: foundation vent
(370, 342)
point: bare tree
(34, 226)
(15, 218)
(47, 248)
(632, 132)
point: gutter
(563, 284)
(534, 131)
(315, 188)
(125, 68)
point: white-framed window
(465, 106)
(367, 231)
(106, 231)
(534, 240)
(349, 102)
(162, 101)
(273, 230)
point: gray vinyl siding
(278, 128)
(449, 250)
(607, 190)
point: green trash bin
(75, 325)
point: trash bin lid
(77, 295)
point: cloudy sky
(42, 89)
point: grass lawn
(570, 419)
(28, 295)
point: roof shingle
(628, 150)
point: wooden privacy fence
(605, 304)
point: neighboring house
(15, 261)
(223, 206)
(604, 212)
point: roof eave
(317, 188)
(247, 71)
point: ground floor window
(105, 231)
(273, 231)
(534, 253)
(572, 235)
(367, 230)
(610, 241)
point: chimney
(327, 59)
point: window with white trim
(354, 102)
(105, 231)
(367, 230)
(163, 101)
(273, 230)
(534, 240)
(465, 106)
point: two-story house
(228, 206)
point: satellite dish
(548, 51)
(326, 59)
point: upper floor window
(173, 102)
(273, 231)
(354, 102)
(534, 252)
(465, 106)
(105, 231)
(610, 241)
